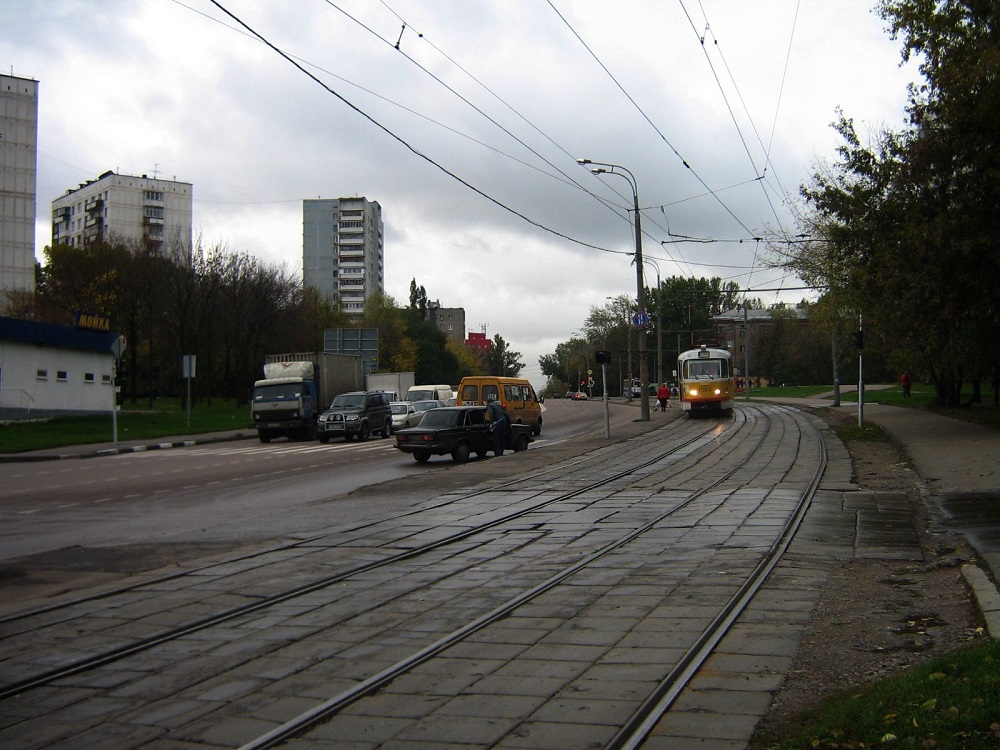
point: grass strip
(950, 703)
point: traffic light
(859, 339)
(602, 357)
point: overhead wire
(646, 117)
(398, 47)
(618, 210)
(399, 139)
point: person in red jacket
(663, 396)
(907, 381)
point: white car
(404, 415)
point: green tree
(903, 229)
(502, 360)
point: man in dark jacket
(498, 426)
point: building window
(88, 377)
(106, 379)
(42, 374)
(62, 375)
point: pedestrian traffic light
(859, 339)
(602, 357)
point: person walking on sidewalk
(663, 396)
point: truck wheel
(482, 453)
(265, 437)
(461, 453)
(421, 457)
(521, 444)
(536, 428)
(324, 439)
(365, 433)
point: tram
(706, 380)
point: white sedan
(404, 415)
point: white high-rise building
(125, 208)
(18, 170)
(342, 250)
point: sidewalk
(959, 463)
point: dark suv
(356, 414)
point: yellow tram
(706, 380)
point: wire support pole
(607, 168)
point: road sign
(118, 347)
(640, 319)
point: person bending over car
(498, 426)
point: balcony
(93, 204)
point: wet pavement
(958, 463)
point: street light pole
(606, 168)
(659, 321)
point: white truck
(297, 388)
(396, 384)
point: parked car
(426, 404)
(356, 415)
(459, 431)
(404, 415)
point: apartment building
(342, 250)
(125, 208)
(449, 320)
(18, 175)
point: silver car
(404, 415)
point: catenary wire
(399, 139)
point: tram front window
(705, 369)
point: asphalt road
(232, 492)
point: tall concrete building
(125, 208)
(449, 320)
(342, 250)
(18, 170)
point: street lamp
(659, 320)
(605, 168)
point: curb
(987, 597)
(15, 458)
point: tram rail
(682, 464)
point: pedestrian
(907, 381)
(498, 426)
(663, 396)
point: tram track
(263, 603)
(682, 464)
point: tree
(397, 352)
(503, 361)
(903, 229)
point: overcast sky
(467, 134)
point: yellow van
(515, 395)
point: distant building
(48, 369)
(479, 343)
(18, 170)
(343, 249)
(122, 208)
(734, 327)
(449, 320)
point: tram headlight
(718, 391)
(692, 391)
